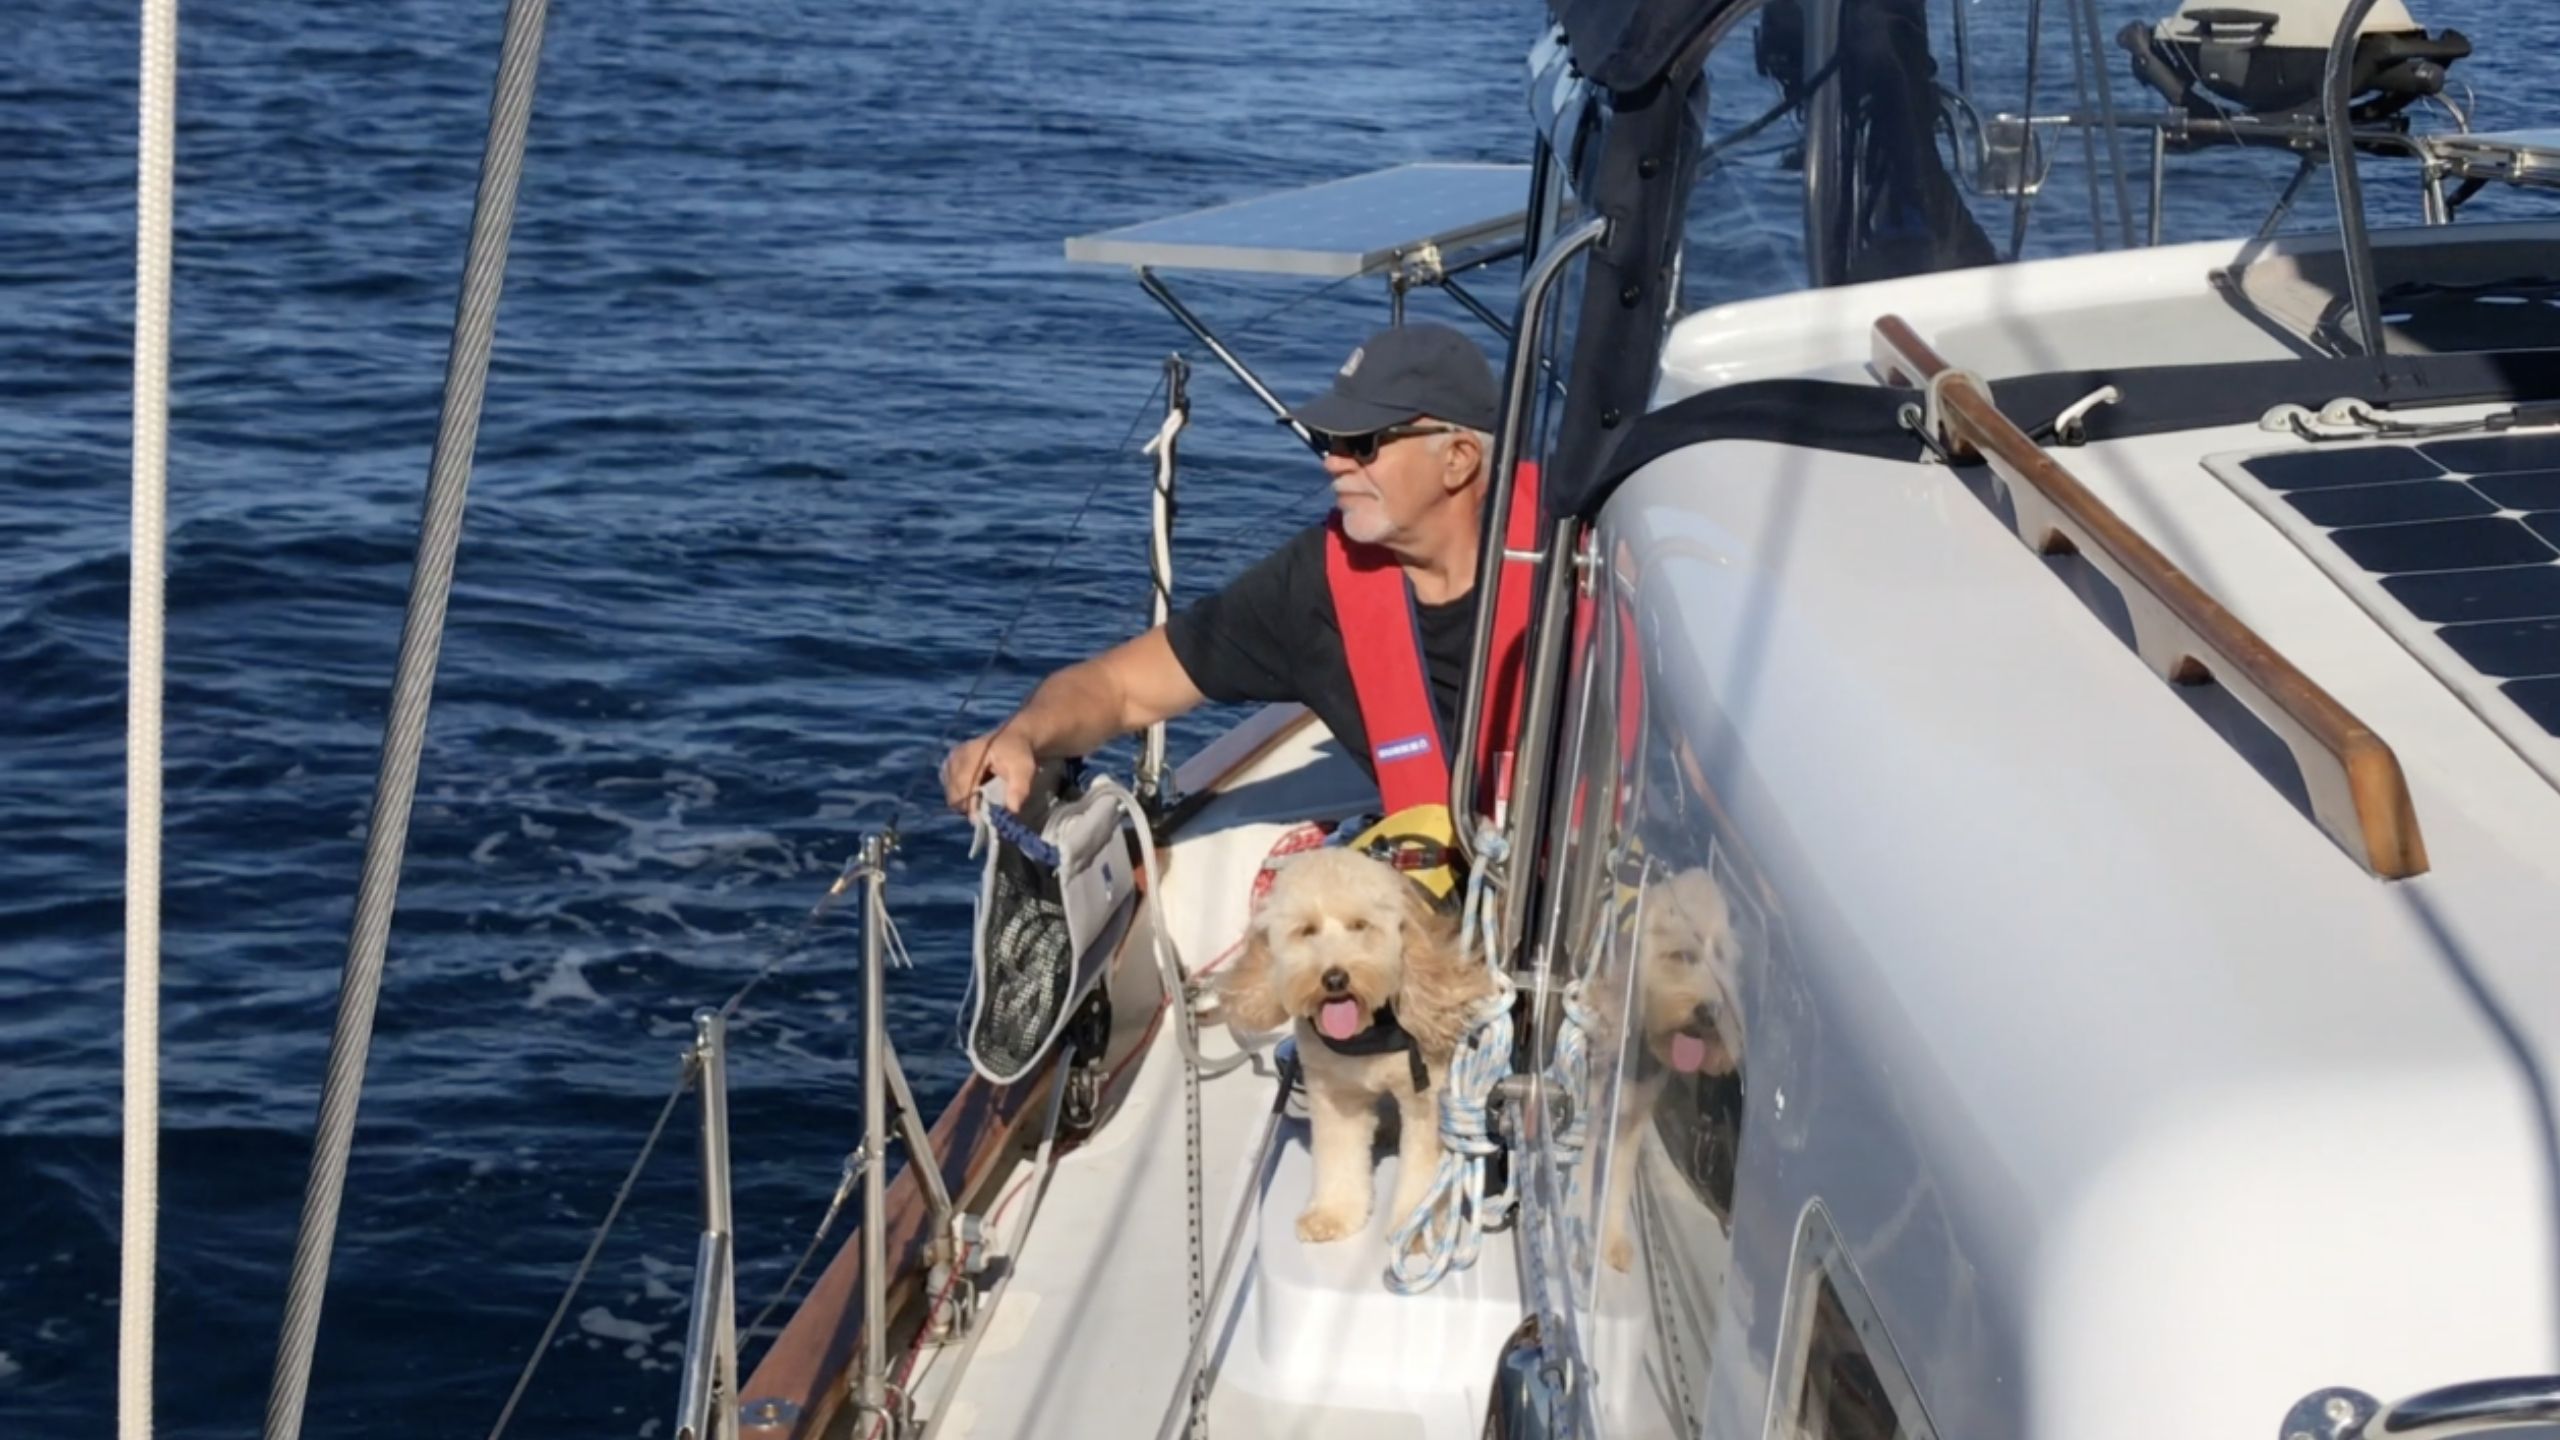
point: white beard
(1366, 521)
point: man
(1406, 432)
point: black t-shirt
(1271, 635)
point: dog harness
(1385, 1036)
(1382, 643)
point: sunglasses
(1365, 448)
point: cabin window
(1842, 1379)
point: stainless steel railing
(707, 1405)
(1521, 371)
(871, 1389)
(707, 1402)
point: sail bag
(1053, 902)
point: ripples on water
(791, 396)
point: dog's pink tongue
(1340, 1019)
(1688, 1053)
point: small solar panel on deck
(2347, 465)
(2463, 534)
(2539, 699)
(2442, 545)
(2508, 648)
(2523, 490)
(2385, 504)
(2492, 454)
(2450, 596)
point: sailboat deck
(1088, 1333)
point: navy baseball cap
(1399, 374)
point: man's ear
(1465, 459)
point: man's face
(1382, 498)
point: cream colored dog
(1688, 1017)
(1353, 955)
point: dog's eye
(1359, 924)
(1307, 931)
(1684, 956)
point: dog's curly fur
(1336, 924)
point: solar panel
(2463, 535)
(2386, 504)
(1354, 226)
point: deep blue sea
(793, 402)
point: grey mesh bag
(1048, 911)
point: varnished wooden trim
(2359, 794)
(1900, 357)
(805, 1370)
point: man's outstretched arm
(1077, 710)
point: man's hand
(1128, 687)
(1001, 752)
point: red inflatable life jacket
(1382, 641)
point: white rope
(1445, 1230)
(153, 184)
(1160, 541)
(1176, 988)
(1569, 1074)
(1151, 767)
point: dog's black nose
(1335, 981)
(1709, 1013)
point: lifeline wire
(783, 954)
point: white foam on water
(654, 1277)
(9, 1368)
(665, 909)
(602, 1323)
(487, 849)
(565, 980)
(533, 829)
(599, 867)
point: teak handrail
(2358, 793)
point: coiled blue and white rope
(1445, 1231)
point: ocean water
(795, 411)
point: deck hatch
(2460, 536)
